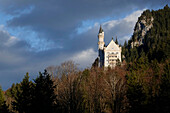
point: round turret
(101, 39)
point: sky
(35, 34)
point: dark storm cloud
(59, 18)
(16, 60)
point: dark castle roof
(100, 30)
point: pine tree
(2, 98)
(164, 98)
(24, 95)
(44, 96)
(3, 106)
(125, 44)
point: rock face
(144, 24)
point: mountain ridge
(151, 36)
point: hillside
(151, 37)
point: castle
(110, 55)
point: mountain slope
(151, 37)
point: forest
(140, 85)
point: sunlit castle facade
(110, 55)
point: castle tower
(101, 39)
(101, 47)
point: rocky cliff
(143, 25)
(151, 37)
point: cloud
(56, 20)
(122, 28)
(11, 50)
(85, 58)
(11, 41)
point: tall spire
(116, 40)
(100, 30)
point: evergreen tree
(24, 95)
(44, 96)
(125, 44)
(3, 106)
(164, 96)
(95, 63)
(2, 98)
